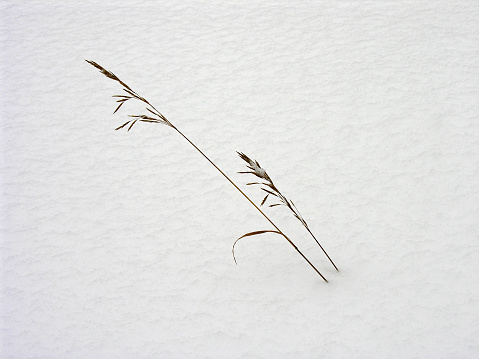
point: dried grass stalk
(156, 117)
(268, 186)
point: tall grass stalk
(154, 116)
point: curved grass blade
(251, 234)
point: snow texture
(118, 244)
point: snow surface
(118, 244)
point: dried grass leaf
(126, 123)
(129, 128)
(118, 107)
(264, 199)
(250, 234)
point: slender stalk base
(320, 246)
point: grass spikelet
(268, 186)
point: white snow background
(117, 244)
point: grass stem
(159, 118)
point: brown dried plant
(155, 116)
(268, 186)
